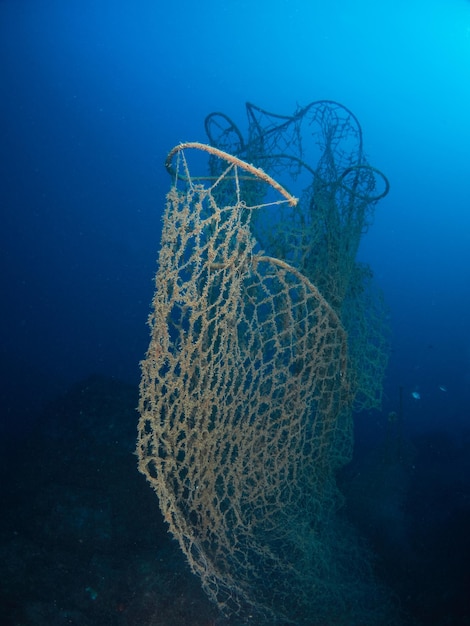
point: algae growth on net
(266, 335)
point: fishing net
(319, 151)
(245, 406)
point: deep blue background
(95, 93)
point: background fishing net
(318, 152)
(245, 405)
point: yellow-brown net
(245, 408)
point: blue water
(95, 93)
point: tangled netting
(319, 151)
(245, 408)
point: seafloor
(82, 540)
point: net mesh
(245, 407)
(319, 150)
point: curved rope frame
(354, 168)
(232, 160)
(252, 109)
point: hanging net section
(245, 404)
